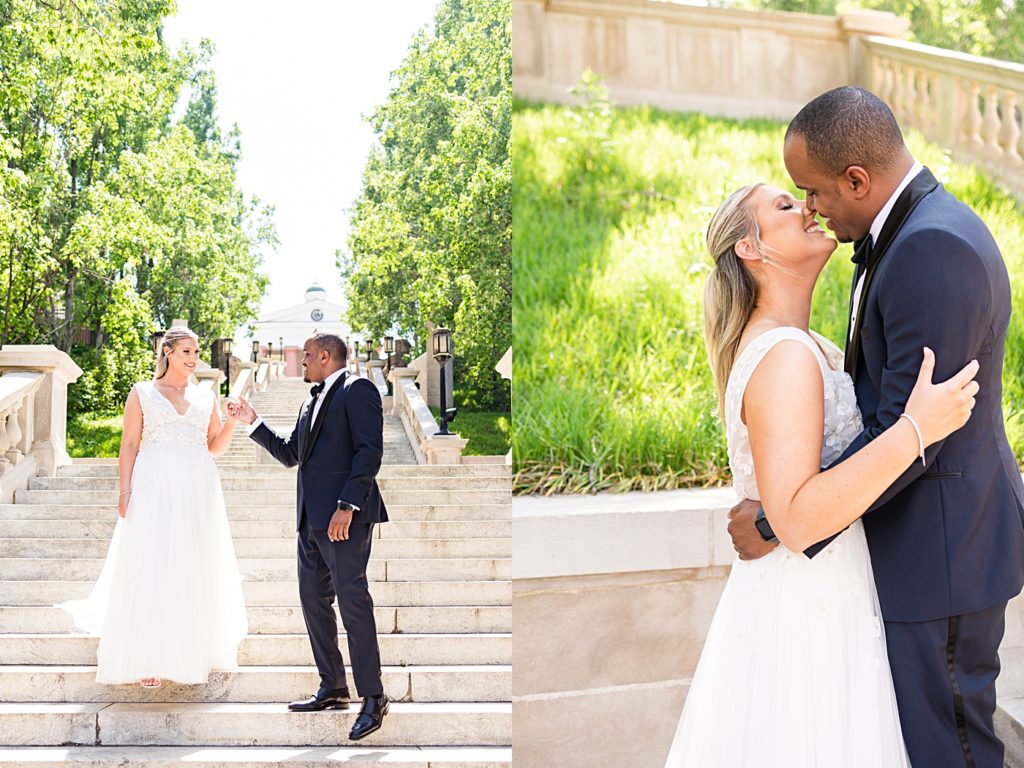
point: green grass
(612, 388)
(94, 435)
(489, 432)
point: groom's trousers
(944, 672)
(329, 569)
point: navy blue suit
(338, 457)
(947, 539)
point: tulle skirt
(168, 602)
(794, 672)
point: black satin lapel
(919, 188)
(303, 428)
(321, 416)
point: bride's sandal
(150, 682)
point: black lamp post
(270, 350)
(280, 341)
(255, 350)
(357, 355)
(158, 339)
(389, 349)
(225, 345)
(441, 349)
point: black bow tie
(316, 389)
(862, 250)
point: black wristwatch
(345, 506)
(764, 527)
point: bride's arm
(784, 413)
(131, 436)
(218, 435)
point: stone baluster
(14, 435)
(896, 97)
(924, 103)
(1010, 132)
(972, 116)
(5, 440)
(909, 95)
(990, 123)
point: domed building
(291, 327)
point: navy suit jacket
(948, 538)
(342, 456)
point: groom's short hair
(848, 126)
(333, 344)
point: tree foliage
(993, 28)
(431, 229)
(114, 216)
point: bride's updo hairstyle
(171, 337)
(730, 294)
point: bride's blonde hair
(730, 294)
(171, 337)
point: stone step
(281, 570)
(239, 498)
(254, 484)
(281, 593)
(110, 469)
(253, 757)
(278, 650)
(276, 620)
(1009, 722)
(227, 724)
(68, 683)
(267, 548)
(426, 515)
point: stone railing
(725, 62)
(967, 103)
(33, 413)
(245, 382)
(420, 425)
(375, 373)
(612, 597)
(262, 377)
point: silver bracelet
(123, 493)
(920, 439)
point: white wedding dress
(168, 602)
(794, 672)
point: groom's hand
(337, 529)
(745, 537)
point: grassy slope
(612, 388)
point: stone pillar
(444, 449)
(859, 24)
(212, 378)
(50, 406)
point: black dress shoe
(371, 716)
(325, 698)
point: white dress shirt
(876, 230)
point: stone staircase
(440, 573)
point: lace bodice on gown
(842, 416)
(163, 425)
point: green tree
(114, 217)
(430, 240)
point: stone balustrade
(245, 383)
(726, 62)
(420, 425)
(33, 413)
(375, 373)
(967, 103)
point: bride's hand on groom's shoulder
(942, 408)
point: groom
(947, 539)
(338, 443)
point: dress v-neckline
(173, 406)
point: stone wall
(724, 62)
(612, 597)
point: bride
(794, 670)
(168, 602)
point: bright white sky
(298, 78)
